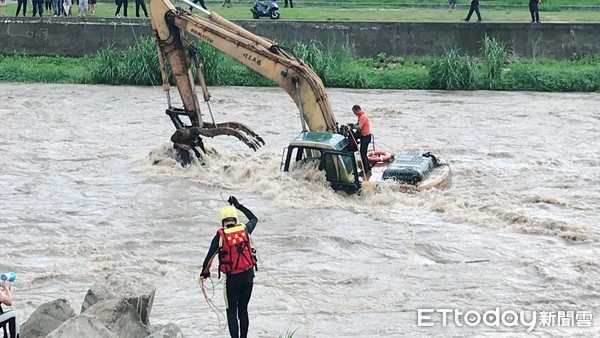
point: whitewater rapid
(89, 189)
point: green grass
(552, 76)
(337, 67)
(453, 71)
(48, 69)
(310, 12)
(287, 334)
(487, 3)
(495, 57)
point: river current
(89, 189)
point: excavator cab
(340, 170)
(331, 151)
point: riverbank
(495, 70)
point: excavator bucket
(179, 54)
(189, 138)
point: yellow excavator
(321, 138)
(258, 54)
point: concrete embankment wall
(78, 37)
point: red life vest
(235, 250)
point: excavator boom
(261, 55)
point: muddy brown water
(88, 189)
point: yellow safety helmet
(228, 211)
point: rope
(344, 306)
(290, 292)
(211, 304)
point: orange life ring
(378, 156)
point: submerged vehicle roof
(318, 139)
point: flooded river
(88, 190)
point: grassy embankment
(338, 68)
(496, 70)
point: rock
(111, 309)
(165, 331)
(81, 326)
(140, 294)
(47, 318)
(119, 317)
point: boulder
(81, 326)
(165, 331)
(120, 317)
(47, 318)
(112, 308)
(139, 293)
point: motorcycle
(263, 9)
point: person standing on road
(451, 5)
(48, 6)
(534, 11)
(57, 6)
(19, 4)
(237, 260)
(38, 7)
(473, 8)
(67, 8)
(142, 4)
(119, 4)
(82, 8)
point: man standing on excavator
(364, 130)
(237, 260)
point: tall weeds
(494, 59)
(136, 65)
(325, 62)
(453, 71)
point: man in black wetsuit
(237, 261)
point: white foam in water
(90, 188)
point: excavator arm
(261, 55)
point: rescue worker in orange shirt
(237, 260)
(364, 131)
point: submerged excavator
(321, 139)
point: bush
(551, 77)
(494, 59)
(136, 65)
(453, 72)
